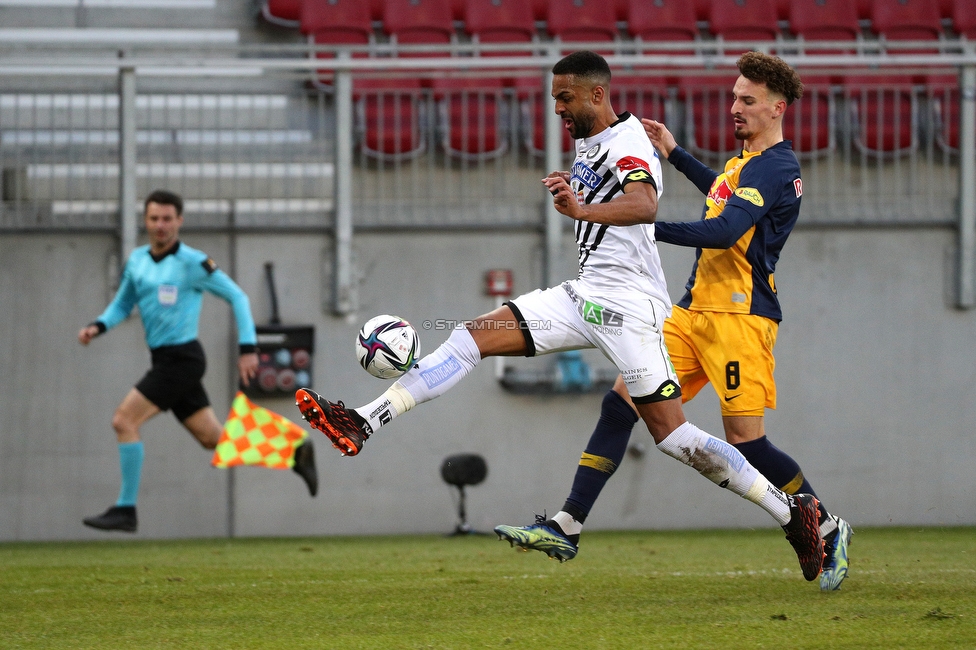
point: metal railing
(325, 140)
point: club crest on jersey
(750, 194)
(592, 152)
(720, 191)
(585, 175)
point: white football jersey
(617, 259)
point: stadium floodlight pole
(966, 296)
(344, 298)
(554, 161)
(128, 219)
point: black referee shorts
(175, 379)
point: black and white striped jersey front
(617, 260)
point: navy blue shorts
(175, 379)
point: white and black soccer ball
(387, 346)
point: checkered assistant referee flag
(253, 435)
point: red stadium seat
(883, 113)
(621, 8)
(964, 18)
(391, 118)
(474, 114)
(809, 123)
(376, 9)
(286, 13)
(533, 106)
(419, 21)
(340, 16)
(944, 114)
(906, 20)
(824, 20)
(335, 22)
(744, 20)
(393, 113)
(783, 9)
(458, 8)
(703, 9)
(708, 120)
(390, 113)
(499, 21)
(661, 22)
(581, 21)
(473, 117)
(642, 95)
(540, 9)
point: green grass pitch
(908, 588)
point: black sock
(603, 454)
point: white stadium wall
(875, 375)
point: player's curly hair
(773, 71)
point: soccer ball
(387, 346)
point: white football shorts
(628, 331)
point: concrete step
(100, 181)
(101, 111)
(91, 138)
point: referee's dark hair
(585, 64)
(164, 197)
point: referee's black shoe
(305, 466)
(115, 518)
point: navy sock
(603, 454)
(778, 468)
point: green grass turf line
(908, 588)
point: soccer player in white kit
(617, 303)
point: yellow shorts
(733, 352)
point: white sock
(724, 465)
(433, 376)
(569, 525)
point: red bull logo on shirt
(720, 191)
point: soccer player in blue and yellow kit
(166, 280)
(724, 328)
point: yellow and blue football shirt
(750, 210)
